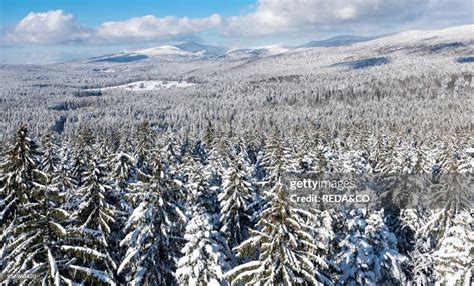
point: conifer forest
(128, 170)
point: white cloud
(56, 26)
(375, 16)
(151, 27)
(286, 18)
(50, 27)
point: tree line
(166, 208)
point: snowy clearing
(147, 85)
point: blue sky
(93, 13)
(42, 31)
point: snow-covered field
(147, 85)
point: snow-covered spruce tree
(125, 143)
(55, 163)
(322, 228)
(51, 158)
(241, 149)
(20, 173)
(448, 198)
(306, 154)
(171, 152)
(368, 253)
(450, 224)
(405, 193)
(217, 160)
(385, 158)
(277, 159)
(273, 162)
(421, 264)
(253, 144)
(403, 182)
(151, 255)
(454, 258)
(123, 173)
(205, 255)
(234, 203)
(37, 236)
(282, 247)
(82, 153)
(209, 134)
(144, 138)
(102, 150)
(63, 181)
(89, 241)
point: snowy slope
(169, 52)
(337, 41)
(257, 52)
(180, 52)
(206, 50)
(460, 34)
(421, 50)
(433, 41)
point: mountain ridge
(452, 37)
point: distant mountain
(120, 58)
(435, 41)
(180, 52)
(205, 49)
(170, 53)
(453, 37)
(257, 52)
(338, 41)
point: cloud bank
(269, 18)
(285, 16)
(276, 16)
(50, 27)
(151, 27)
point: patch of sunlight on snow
(147, 85)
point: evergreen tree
(51, 159)
(204, 256)
(82, 153)
(305, 156)
(234, 204)
(217, 160)
(144, 138)
(90, 238)
(20, 173)
(123, 174)
(454, 258)
(421, 265)
(277, 160)
(34, 252)
(64, 182)
(368, 253)
(151, 254)
(282, 247)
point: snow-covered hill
(434, 41)
(408, 50)
(337, 41)
(257, 52)
(170, 53)
(181, 52)
(206, 50)
(464, 34)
